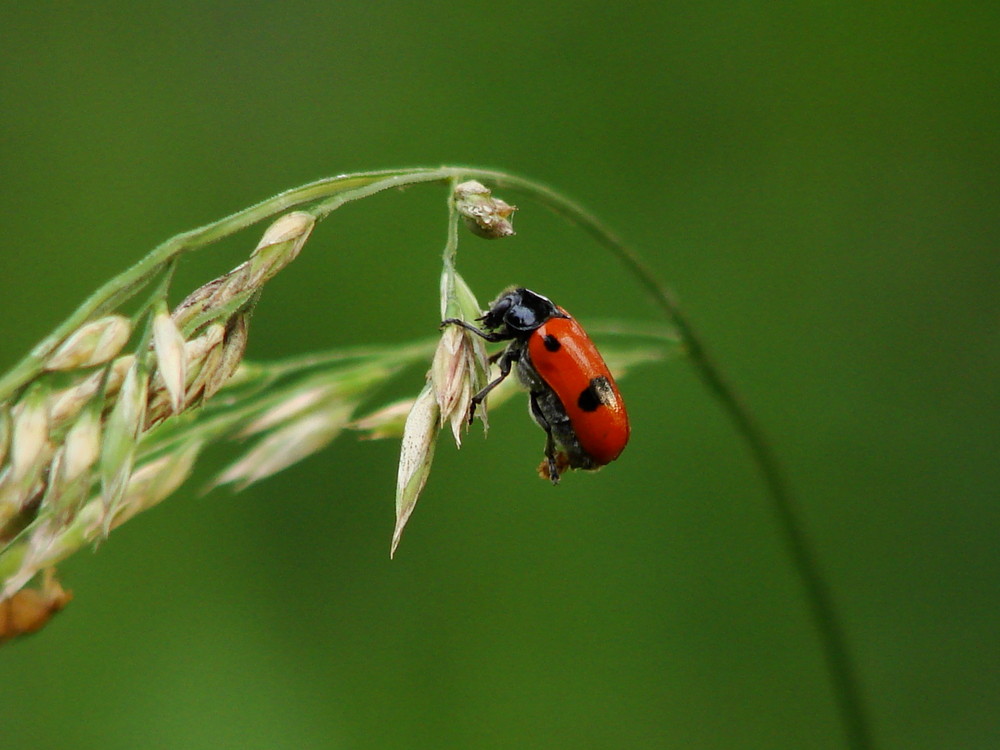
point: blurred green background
(819, 184)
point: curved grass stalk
(322, 197)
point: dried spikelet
(279, 246)
(155, 481)
(29, 610)
(415, 457)
(287, 445)
(203, 360)
(70, 473)
(460, 365)
(201, 300)
(116, 375)
(450, 376)
(124, 424)
(484, 215)
(206, 362)
(92, 344)
(81, 446)
(201, 356)
(234, 344)
(65, 404)
(30, 452)
(387, 422)
(171, 362)
(296, 404)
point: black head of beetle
(517, 312)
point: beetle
(571, 393)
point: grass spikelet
(120, 438)
(415, 457)
(171, 362)
(93, 344)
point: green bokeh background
(819, 184)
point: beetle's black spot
(589, 399)
(595, 395)
(551, 343)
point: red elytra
(578, 375)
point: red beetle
(571, 392)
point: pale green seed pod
(71, 474)
(466, 298)
(92, 344)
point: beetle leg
(490, 336)
(550, 443)
(507, 358)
